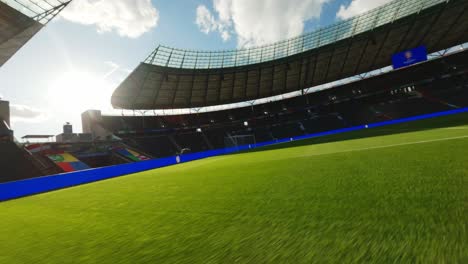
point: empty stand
(429, 87)
(14, 164)
(157, 146)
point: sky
(77, 61)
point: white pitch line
(213, 159)
(456, 128)
(369, 148)
(389, 146)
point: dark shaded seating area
(414, 91)
(157, 146)
(14, 164)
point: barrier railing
(18, 189)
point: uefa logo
(408, 55)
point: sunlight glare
(78, 91)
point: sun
(78, 91)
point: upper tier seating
(318, 112)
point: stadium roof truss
(174, 78)
(443, 54)
(20, 20)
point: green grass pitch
(399, 194)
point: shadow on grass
(420, 125)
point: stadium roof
(37, 137)
(20, 20)
(173, 78)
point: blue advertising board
(18, 189)
(409, 57)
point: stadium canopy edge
(21, 20)
(173, 78)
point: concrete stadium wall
(18, 189)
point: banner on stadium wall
(36, 148)
(67, 162)
(130, 154)
(409, 57)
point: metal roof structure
(20, 20)
(37, 137)
(173, 78)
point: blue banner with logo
(409, 57)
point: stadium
(347, 144)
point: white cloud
(257, 22)
(129, 18)
(26, 113)
(205, 20)
(113, 67)
(117, 72)
(112, 64)
(357, 7)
